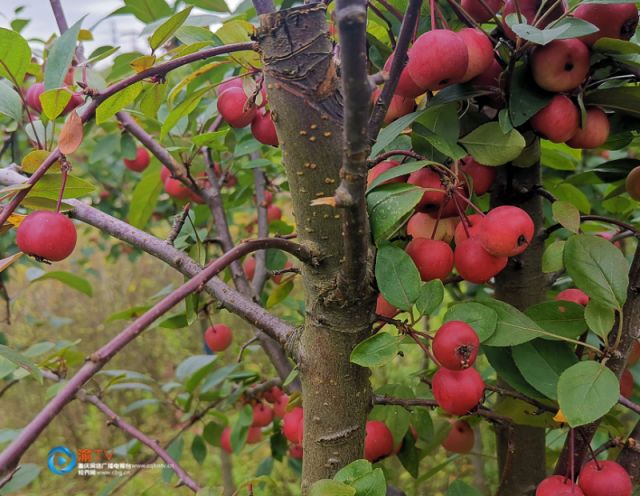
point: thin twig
(178, 223)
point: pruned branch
(399, 61)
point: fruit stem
(435, 226)
(443, 21)
(65, 171)
(468, 202)
(433, 14)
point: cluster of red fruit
(263, 416)
(597, 478)
(457, 387)
(483, 242)
(240, 111)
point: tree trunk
(521, 449)
(304, 95)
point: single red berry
(254, 435)
(604, 478)
(634, 356)
(626, 384)
(225, 440)
(273, 394)
(427, 178)
(506, 231)
(574, 295)
(75, 101)
(280, 406)
(263, 129)
(33, 96)
(218, 337)
(381, 167)
(176, 189)
(460, 438)
(262, 415)
(229, 83)
(139, 163)
(47, 235)
(273, 213)
(378, 441)
(457, 391)
(473, 226)
(384, 308)
(434, 259)
(164, 174)
(293, 425)
(482, 176)
(249, 266)
(558, 485)
(456, 345)
(234, 107)
(295, 451)
(474, 263)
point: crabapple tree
(424, 215)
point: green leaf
(279, 294)
(354, 471)
(240, 429)
(152, 98)
(561, 319)
(624, 99)
(586, 392)
(390, 206)
(193, 369)
(541, 362)
(488, 145)
(148, 10)
(392, 131)
(513, 327)
(54, 101)
(326, 487)
(49, 187)
(137, 405)
(461, 488)
(483, 319)
(600, 318)
(26, 474)
(430, 297)
(567, 215)
(198, 449)
(167, 28)
(598, 268)
(371, 484)
(72, 280)
(145, 196)
(376, 350)
(397, 277)
(211, 433)
(501, 359)
(570, 27)
(213, 5)
(552, 260)
(395, 417)
(60, 56)
(182, 110)
(440, 127)
(21, 361)
(15, 55)
(117, 102)
(525, 99)
(10, 103)
(455, 93)
(399, 170)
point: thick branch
(399, 61)
(351, 17)
(154, 72)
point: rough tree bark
(303, 88)
(521, 449)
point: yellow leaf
(6, 262)
(71, 134)
(199, 72)
(14, 220)
(143, 63)
(85, 35)
(34, 159)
